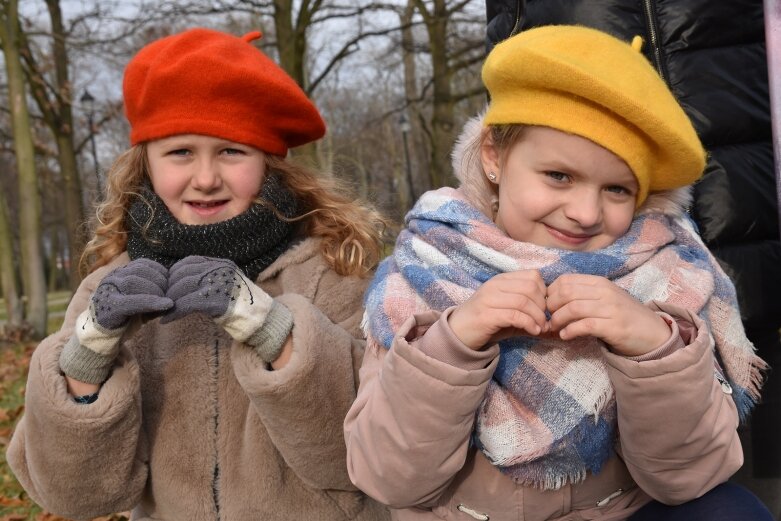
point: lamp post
(405, 127)
(88, 102)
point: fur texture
(192, 425)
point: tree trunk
(74, 207)
(442, 122)
(291, 46)
(417, 182)
(291, 40)
(442, 116)
(54, 272)
(59, 118)
(13, 304)
(29, 199)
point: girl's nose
(206, 176)
(584, 208)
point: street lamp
(405, 127)
(88, 102)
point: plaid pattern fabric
(549, 414)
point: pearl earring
(492, 177)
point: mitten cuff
(269, 339)
(83, 364)
(247, 311)
(91, 335)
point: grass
(14, 362)
(57, 304)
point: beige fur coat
(194, 426)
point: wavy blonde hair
(351, 230)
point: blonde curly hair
(351, 230)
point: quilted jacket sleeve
(677, 425)
(408, 431)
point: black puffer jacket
(712, 55)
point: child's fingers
(529, 284)
(517, 298)
(530, 276)
(579, 310)
(567, 289)
(515, 295)
(533, 308)
(526, 322)
(506, 301)
(136, 285)
(590, 326)
(573, 293)
(512, 322)
(497, 309)
(483, 320)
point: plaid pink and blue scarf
(549, 413)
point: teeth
(206, 205)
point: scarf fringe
(602, 401)
(556, 482)
(549, 481)
(747, 398)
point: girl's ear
(490, 157)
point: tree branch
(346, 50)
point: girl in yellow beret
(206, 363)
(551, 340)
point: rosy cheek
(622, 224)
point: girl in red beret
(551, 341)
(206, 364)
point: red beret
(206, 82)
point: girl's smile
(207, 208)
(572, 238)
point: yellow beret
(586, 82)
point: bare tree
(412, 149)
(54, 101)
(30, 206)
(452, 49)
(13, 304)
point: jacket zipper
(216, 475)
(653, 32)
(520, 9)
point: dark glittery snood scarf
(253, 239)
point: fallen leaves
(11, 502)
(15, 505)
(14, 517)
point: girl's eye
(232, 151)
(557, 176)
(179, 152)
(618, 190)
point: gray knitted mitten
(219, 289)
(134, 289)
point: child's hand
(134, 289)
(589, 305)
(509, 304)
(219, 289)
